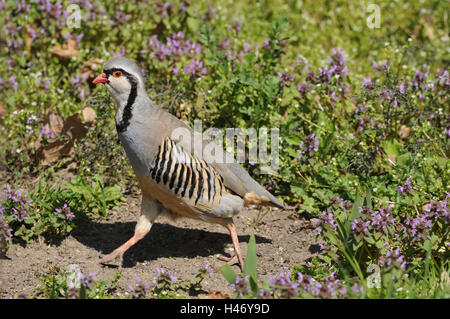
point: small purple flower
(406, 188)
(446, 132)
(284, 286)
(241, 286)
(393, 257)
(382, 218)
(88, 280)
(196, 68)
(367, 83)
(45, 132)
(236, 26)
(247, 47)
(357, 290)
(209, 269)
(139, 290)
(444, 79)
(308, 147)
(163, 275)
(47, 83)
(303, 88)
(379, 67)
(285, 77)
(360, 228)
(14, 83)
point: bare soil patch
(184, 246)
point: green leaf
(391, 147)
(250, 262)
(253, 286)
(228, 273)
(293, 140)
(328, 142)
(193, 24)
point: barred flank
(185, 175)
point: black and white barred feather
(186, 176)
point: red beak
(102, 78)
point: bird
(174, 180)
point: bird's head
(121, 76)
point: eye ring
(117, 74)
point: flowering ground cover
(359, 92)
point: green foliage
(94, 199)
(73, 284)
(53, 211)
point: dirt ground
(184, 246)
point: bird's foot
(110, 257)
(118, 252)
(105, 260)
(230, 260)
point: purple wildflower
(209, 269)
(360, 228)
(247, 47)
(45, 132)
(241, 286)
(196, 68)
(308, 147)
(47, 83)
(139, 290)
(284, 286)
(88, 280)
(285, 77)
(303, 88)
(444, 79)
(382, 218)
(406, 188)
(357, 290)
(401, 88)
(5, 230)
(367, 83)
(446, 133)
(166, 276)
(14, 82)
(393, 257)
(379, 66)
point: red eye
(117, 74)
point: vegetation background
(358, 89)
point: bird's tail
(252, 198)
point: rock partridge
(175, 179)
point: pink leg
(237, 258)
(149, 211)
(118, 252)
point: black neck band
(126, 116)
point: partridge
(174, 179)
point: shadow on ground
(163, 240)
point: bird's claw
(230, 260)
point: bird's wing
(234, 176)
(192, 180)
